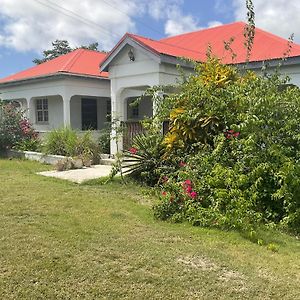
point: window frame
(43, 110)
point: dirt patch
(198, 262)
(229, 275)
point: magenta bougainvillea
(15, 129)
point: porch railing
(131, 129)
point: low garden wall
(48, 158)
(38, 156)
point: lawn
(61, 240)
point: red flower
(133, 150)
(231, 133)
(193, 195)
(188, 189)
(188, 182)
(164, 193)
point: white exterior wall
(59, 92)
(131, 79)
(55, 114)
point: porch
(81, 112)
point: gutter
(53, 76)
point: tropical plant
(144, 160)
(66, 141)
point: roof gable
(131, 40)
(80, 62)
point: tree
(61, 47)
(92, 46)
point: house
(66, 91)
(67, 85)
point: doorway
(89, 114)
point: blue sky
(28, 26)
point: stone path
(80, 175)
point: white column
(27, 109)
(158, 97)
(31, 110)
(117, 116)
(67, 113)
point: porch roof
(80, 62)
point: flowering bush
(15, 130)
(238, 142)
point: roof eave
(289, 61)
(185, 62)
(173, 60)
(50, 76)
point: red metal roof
(194, 45)
(191, 45)
(78, 62)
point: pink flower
(165, 179)
(164, 193)
(182, 164)
(193, 195)
(133, 150)
(236, 134)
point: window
(42, 114)
(135, 111)
(89, 114)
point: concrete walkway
(80, 175)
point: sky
(27, 27)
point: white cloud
(280, 17)
(214, 24)
(178, 23)
(29, 25)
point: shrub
(66, 142)
(104, 140)
(62, 141)
(15, 130)
(239, 136)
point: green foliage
(65, 141)
(62, 141)
(104, 140)
(244, 165)
(15, 130)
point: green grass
(59, 240)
